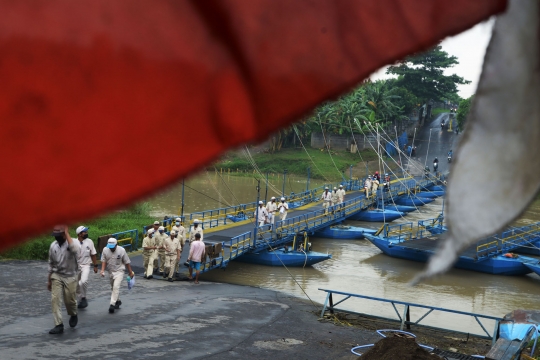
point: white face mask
(178, 223)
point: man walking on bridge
(196, 254)
(262, 215)
(327, 199)
(282, 208)
(172, 255)
(195, 229)
(149, 254)
(271, 207)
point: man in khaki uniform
(172, 254)
(159, 241)
(195, 229)
(149, 254)
(63, 277)
(156, 225)
(86, 261)
(115, 259)
(327, 199)
(181, 235)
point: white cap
(282, 199)
(326, 188)
(335, 188)
(151, 231)
(80, 229)
(161, 228)
(177, 219)
(340, 185)
(260, 203)
(173, 232)
(111, 243)
(196, 221)
(156, 222)
(273, 198)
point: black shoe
(83, 303)
(171, 280)
(58, 329)
(73, 320)
(117, 304)
(150, 277)
(146, 277)
(161, 273)
(111, 309)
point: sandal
(196, 282)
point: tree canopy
(463, 111)
(423, 75)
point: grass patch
(437, 111)
(296, 161)
(133, 218)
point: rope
(320, 172)
(256, 168)
(216, 190)
(328, 148)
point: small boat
(485, 256)
(377, 215)
(534, 266)
(412, 201)
(430, 194)
(280, 257)
(436, 188)
(400, 208)
(237, 217)
(344, 232)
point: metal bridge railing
(128, 239)
(399, 232)
(404, 318)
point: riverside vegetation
(38, 248)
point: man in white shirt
(114, 258)
(327, 199)
(181, 235)
(367, 186)
(86, 261)
(149, 253)
(341, 194)
(62, 281)
(283, 207)
(262, 215)
(172, 255)
(271, 207)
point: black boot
(171, 280)
(73, 320)
(117, 304)
(83, 303)
(58, 329)
(111, 309)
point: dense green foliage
(379, 102)
(297, 161)
(134, 218)
(463, 111)
(423, 75)
(438, 111)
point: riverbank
(38, 248)
(178, 320)
(296, 161)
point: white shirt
(271, 207)
(86, 250)
(263, 213)
(285, 207)
(341, 194)
(116, 261)
(326, 196)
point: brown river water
(357, 266)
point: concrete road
(165, 320)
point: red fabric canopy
(98, 97)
